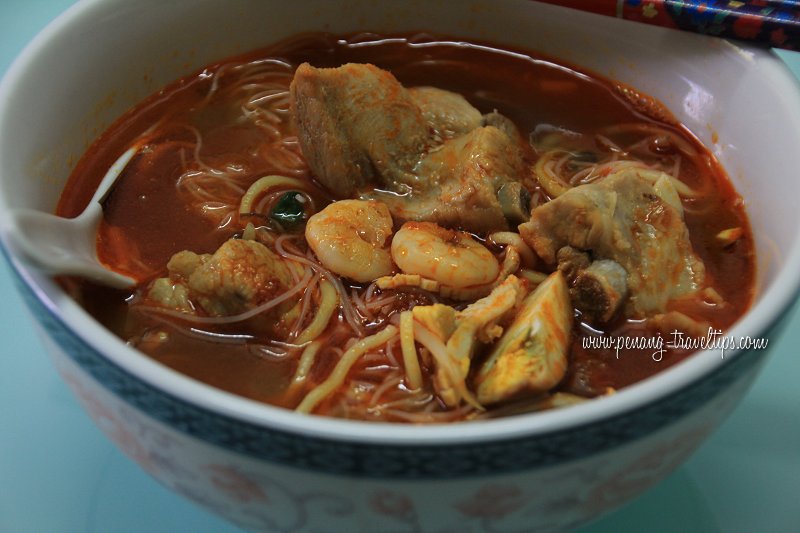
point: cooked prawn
(349, 237)
(452, 258)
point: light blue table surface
(58, 473)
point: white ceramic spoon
(60, 245)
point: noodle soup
(291, 214)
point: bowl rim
(765, 311)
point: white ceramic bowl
(267, 468)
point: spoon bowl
(58, 245)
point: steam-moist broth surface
(212, 134)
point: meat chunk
(422, 151)
(467, 173)
(571, 262)
(171, 294)
(597, 288)
(502, 123)
(356, 124)
(462, 181)
(621, 219)
(448, 114)
(239, 276)
(182, 264)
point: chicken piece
(182, 264)
(462, 181)
(171, 294)
(448, 114)
(515, 202)
(239, 276)
(356, 124)
(502, 123)
(597, 288)
(469, 172)
(571, 262)
(531, 356)
(666, 190)
(623, 219)
(363, 133)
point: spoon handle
(58, 245)
(113, 172)
(62, 246)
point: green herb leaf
(289, 210)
